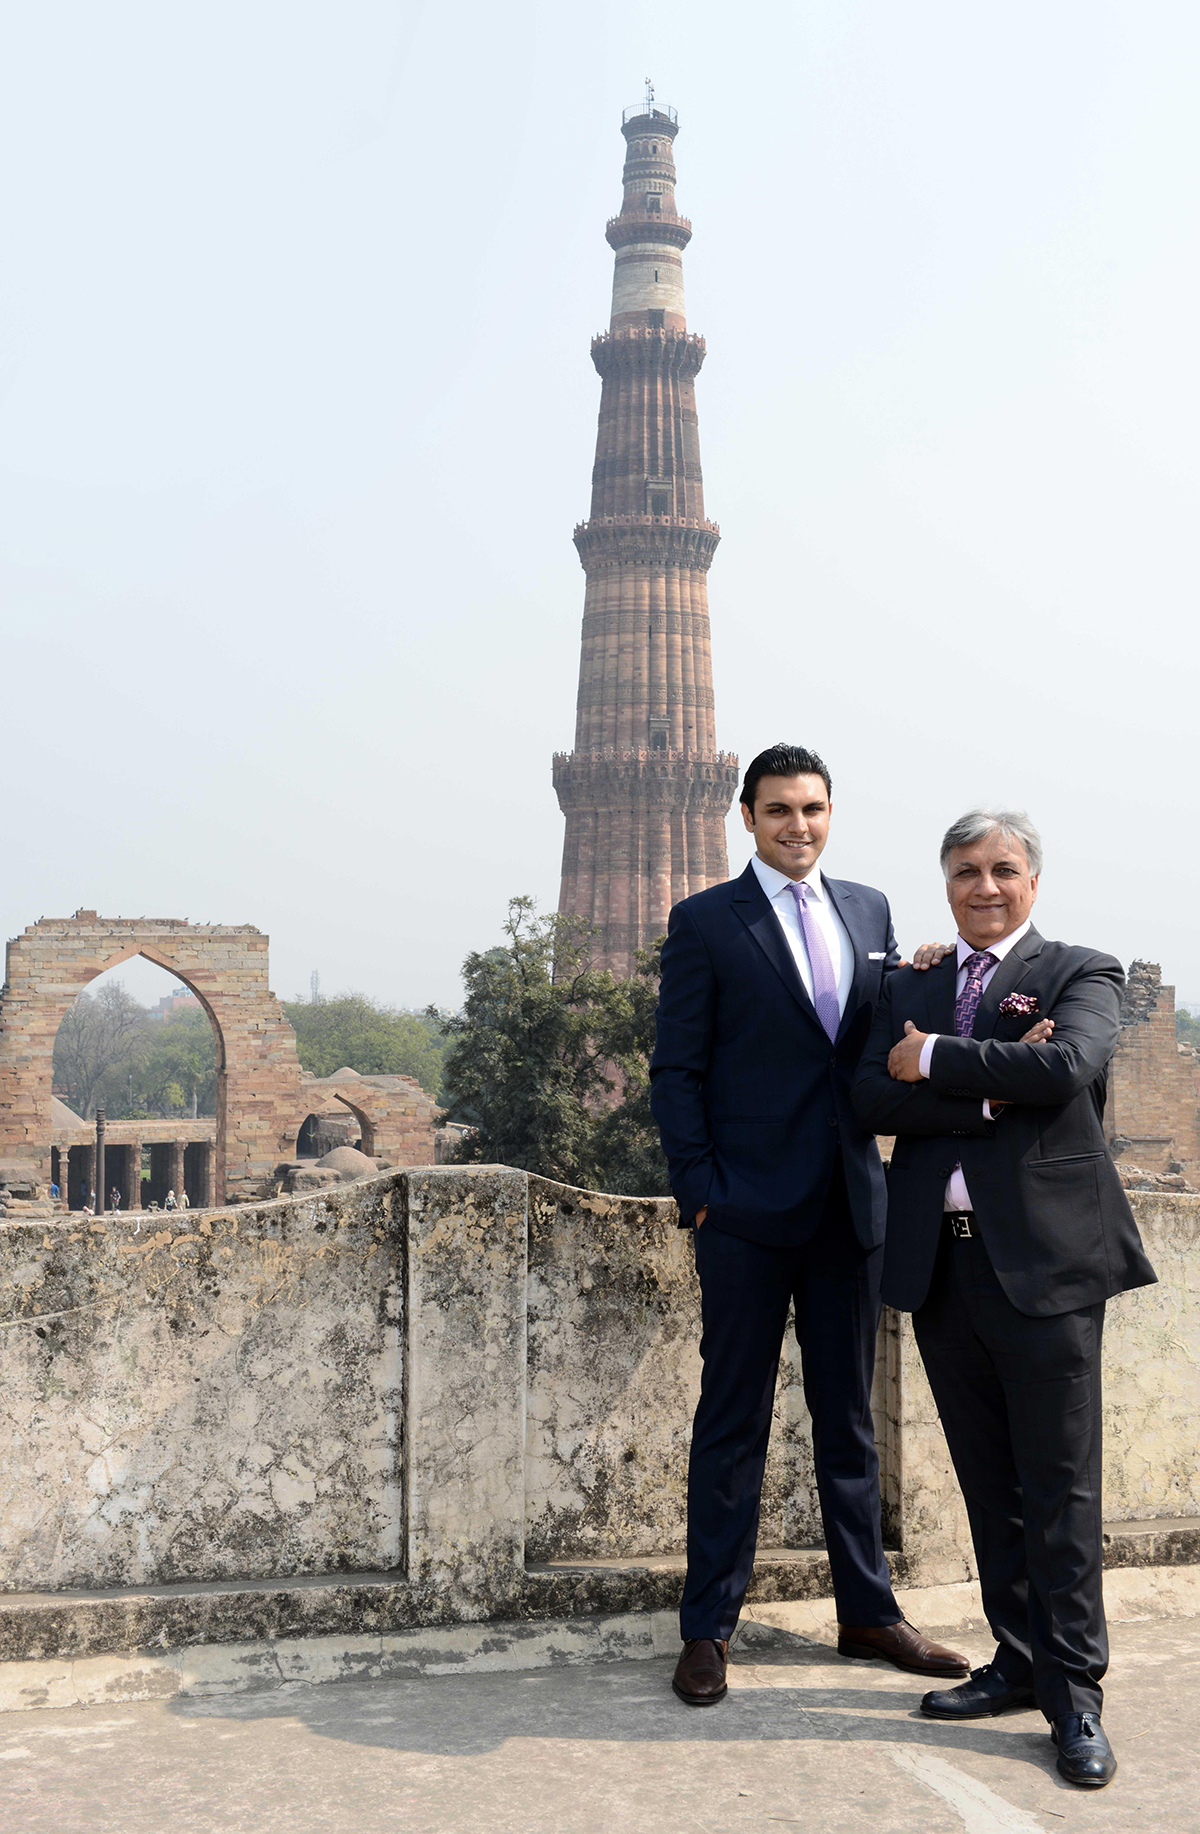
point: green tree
(628, 1154)
(548, 1061)
(1187, 1026)
(99, 1045)
(367, 1036)
(178, 1073)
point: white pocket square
(877, 955)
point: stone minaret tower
(645, 791)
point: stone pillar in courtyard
(202, 1197)
(645, 791)
(134, 1163)
(175, 1177)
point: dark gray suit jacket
(1050, 1207)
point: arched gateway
(262, 1098)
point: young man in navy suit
(769, 987)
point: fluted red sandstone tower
(645, 791)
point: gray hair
(1014, 824)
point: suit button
(944, 1171)
(833, 1123)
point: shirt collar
(773, 881)
(998, 949)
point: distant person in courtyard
(185, 1202)
(170, 1203)
(114, 1199)
(1008, 1230)
(769, 986)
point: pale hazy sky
(297, 415)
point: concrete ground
(804, 1740)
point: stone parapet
(663, 779)
(647, 541)
(620, 231)
(647, 347)
(450, 1394)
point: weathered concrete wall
(1152, 1372)
(614, 1370)
(448, 1373)
(219, 1398)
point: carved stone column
(175, 1179)
(134, 1164)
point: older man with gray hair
(1007, 1231)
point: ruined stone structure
(181, 1154)
(263, 1098)
(1153, 1115)
(645, 791)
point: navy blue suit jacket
(751, 1099)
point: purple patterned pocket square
(1022, 1004)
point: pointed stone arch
(225, 966)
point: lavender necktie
(825, 992)
(967, 1003)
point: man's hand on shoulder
(904, 1059)
(929, 955)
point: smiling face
(789, 822)
(990, 888)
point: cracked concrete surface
(805, 1740)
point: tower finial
(649, 96)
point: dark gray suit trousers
(1019, 1400)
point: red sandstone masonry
(645, 791)
(1154, 1086)
(261, 1099)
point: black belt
(961, 1224)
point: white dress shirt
(957, 1196)
(778, 888)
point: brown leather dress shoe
(901, 1644)
(699, 1677)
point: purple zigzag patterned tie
(825, 992)
(967, 1003)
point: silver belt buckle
(960, 1225)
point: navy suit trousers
(746, 1287)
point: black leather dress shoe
(985, 1694)
(1084, 1754)
(699, 1677)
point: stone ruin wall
(1152, 1119)
(448, 1376)
(262, 1097)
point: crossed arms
(965, 1071)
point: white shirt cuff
(927, 1053)
(987, 1110)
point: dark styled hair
(784, 761)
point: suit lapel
(847, 907)
(1006, 980)
(939, 985)
(753, 906)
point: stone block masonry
(1153, 1113)
(262, 1098)
(449, 1395)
